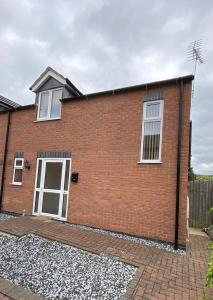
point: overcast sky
(103, 44)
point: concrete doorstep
(197, 231)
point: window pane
(56, 104)
(50, 203)
(64, 206)
(43, 113)
(36, 202)
(39, 174)
(18, 175)
(66, 180)
(151, 142)
(152, 110)
(53, 175)
(18, 162)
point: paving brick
(8, 290)
(3, 297)
(160, 275)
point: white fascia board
(48, 74)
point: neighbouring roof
(148, 85)
(8, 103)
(50, 72)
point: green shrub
(204, 177)
(209, 275)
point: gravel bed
(58, 271)
(147, 242)
(6, 216)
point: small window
(18, 170)
(152, 131)
(49, 106)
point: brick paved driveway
(161, 274)
(3, 297)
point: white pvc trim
(48, 117)
(15, 167)
(48, 74)
(145, 119)
(41, 189)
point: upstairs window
(152, 132)
(18, 170)
(49, 106)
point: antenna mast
(194, 55)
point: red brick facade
(114, 191)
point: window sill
(45, 120)
(149, 162)
(16, 183)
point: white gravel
(6, 216)
(157, 244)
(58, 271)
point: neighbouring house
(116, 159)
(6, 104)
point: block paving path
(160, 275)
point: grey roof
(68, 82)
(8, 103)
(145, 86)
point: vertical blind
(151, 141)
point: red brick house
(116, 159)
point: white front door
(52, 187)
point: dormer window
(49, 88)
(49, 105)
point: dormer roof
(50, 72)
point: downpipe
(178, 167)
(4, 160)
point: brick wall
(104, 134)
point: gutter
(5, 159)
(178, 166)
(131, 88)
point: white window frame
(150, 119)
(15, 167)
(49, 105)
(41, 189)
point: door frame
(41, 189)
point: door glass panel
(64, 206)
(39, 174)
(53, 176)
(36, 202)
(66, 179)
(50, 203)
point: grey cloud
(107, 44)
